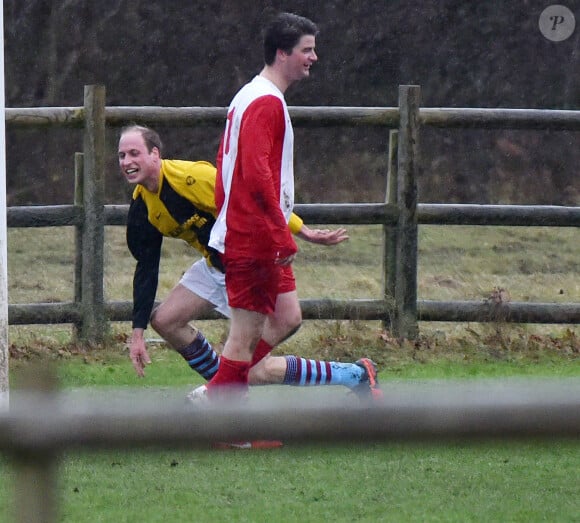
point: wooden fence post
(406, 325)
(36, 470)
(94, 325)
(390, 233)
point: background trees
(175, 53)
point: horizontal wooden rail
(513, 215)
(498, 118)
(347, 213)
(44, 215)
(511, 312)
(61, 215)
(68, 312)
(335, 213)
(351, 309)
(44, 313)
(484, 118)
(44, 422)
(40, 117)
(312, 309)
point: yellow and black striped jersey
(184, 208)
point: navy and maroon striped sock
(201, 357)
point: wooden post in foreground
(36, 470)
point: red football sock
(261, 351)
(232, 375)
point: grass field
(491, 481)
(462, 483)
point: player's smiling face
(298, 63)
(137, 164)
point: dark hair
(150, 137)
(283, 32)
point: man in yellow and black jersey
(175, 198)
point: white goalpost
(4, 355)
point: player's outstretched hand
(323, 236)
(139, 356)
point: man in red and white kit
(255, 197)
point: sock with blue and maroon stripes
(201, 357)
(303, 372)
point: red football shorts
(255, 284)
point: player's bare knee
(159, 321)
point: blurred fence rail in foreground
(41, 425)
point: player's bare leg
(171, 318)
(284, 321)
(231, 380)
(171, 321)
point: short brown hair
(150, 137)
(283, 32)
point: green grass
(515, 481)
(486, 481)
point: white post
(4, 354)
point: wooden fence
(400, 215)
